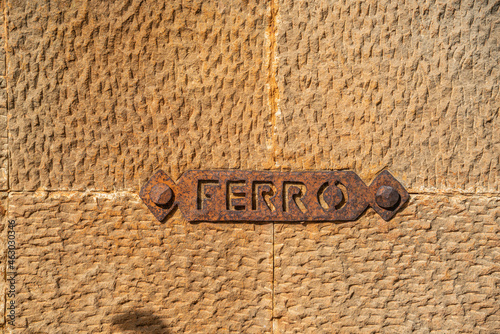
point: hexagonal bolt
(386, 197)
(161, 194)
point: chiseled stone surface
(104, 93)
(4, 152)
(100, 263)
(435, 267)
(95, 96)
(407, 85)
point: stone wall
(95, 96)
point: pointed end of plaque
(388, 195)
(159, 195)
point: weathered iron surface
(386, 197)
(235, 195)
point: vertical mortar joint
(271, 77)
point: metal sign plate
(235, 195)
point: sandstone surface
(96, 96)
(406, 85)
(99, 263)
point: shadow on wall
(140, 322)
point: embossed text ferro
(235, 195)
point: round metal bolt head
(333, 195)
(386, 197)
(161, 194)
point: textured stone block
(103, 93)
(434, 267)
(409, 86)
(4, 150)
(99, 263)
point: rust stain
(272, 68)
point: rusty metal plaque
(259, 196)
